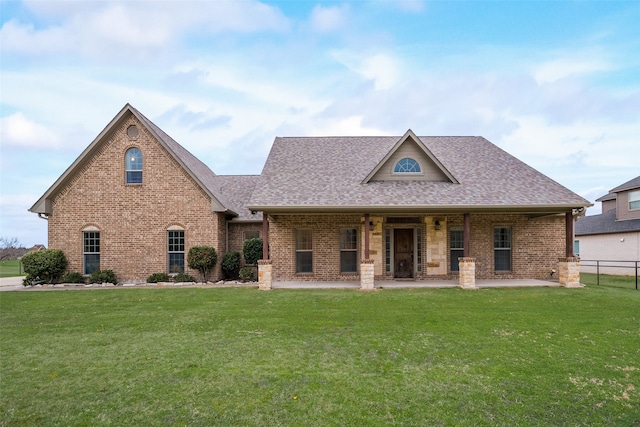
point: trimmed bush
(158, 277)
(246, 274)
(231, 264)
(73, 277)
(252, 250)
(103, 276)
(183, 277)
(203, 259)
(46, 265)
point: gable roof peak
(409, 135)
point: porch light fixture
(437, 225)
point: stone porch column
(366, 274)
(264, 274)
(569, 272)
(467, 278)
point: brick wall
(236, 235)
(326, 245)
(132, 219)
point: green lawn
(591, 279)
(10, 268)
(242, 357)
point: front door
(403, 252)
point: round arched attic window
(132, 131)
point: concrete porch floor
(400, 284)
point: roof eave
(547, 209)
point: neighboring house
(614, 235)
(328, 208)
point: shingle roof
(629, 185)
(236, 190)
(327, 173)
(604, 224)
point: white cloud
(552, 71)
(382, 69)
(107, 30)
(327, 19)
(17, 130)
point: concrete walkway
(11, 283)
(15, 284)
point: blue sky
(555, 83)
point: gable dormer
(410, 160)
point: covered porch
(408, 284)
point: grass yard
(591, 279)
(241, 357)
(10, 268)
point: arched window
(407, 165)
(133, 166)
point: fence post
(636, 275)
(598, 273)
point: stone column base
(569, 272)
(467, 278)
(264, 275)
(366, 274)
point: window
(419, 248)
(134, 166)
(250, 234)
(576, 247)
(304, 251)
(502, 249)
(456, 247)
(634, 200)
(175, 249)
(387, 250)
(407, 165)
(348, 250)
(91, 251)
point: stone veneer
(467, 277)
(569, 272)
(367, 274)
(265, 277)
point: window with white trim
(502, 249)
(304, 251)
(407, 165)
(133, 166)
(634, 200)
(91, 251)
(175, 251)
(456, 247)
(348, 250)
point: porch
(405, 284)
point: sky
(554, 83)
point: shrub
(184, 277)
(73, 277)
(103, 276)
(47, 265)
(246, 274)
(252, 250)
(158, 277)
(231, 264)
(203, 259)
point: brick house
(328, 209)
